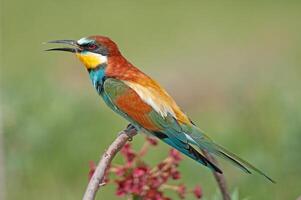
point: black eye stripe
(88, 45)
(95, 48)
(92, 46)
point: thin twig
(125, 135)
(220, 178)
(105, 161)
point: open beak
(73, 43)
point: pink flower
(137, 179)
(181, 191)
(175, 174)
(128, 153)
(120, 171)
(197, 191)
(140, 171)
(175, 155)
(154, 195)
(161, 165)
(155, 182)
(123, 187)
(152, 141)
(133, 183)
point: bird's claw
(130, 127)
(128, 131)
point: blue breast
(97, 77)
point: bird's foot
(130, 131)
(130, 127)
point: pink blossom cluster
(136, 179)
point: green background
(234, 67)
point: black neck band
(103, 65)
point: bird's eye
(92, 46)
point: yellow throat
(91, 60)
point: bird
(145, 103)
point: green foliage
(234, 67)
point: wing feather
(129, 104)
(155, 96)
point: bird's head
(92, 51)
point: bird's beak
(73, 43)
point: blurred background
(234, 67)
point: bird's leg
(130, 127)
(130, 131)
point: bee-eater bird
(143, 102)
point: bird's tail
(244, 165)
(188, 150)
(205, 143)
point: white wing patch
(152, 98)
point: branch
(115, 147)
(220, 179)
(107, 157)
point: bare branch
(97, 179)
(105, 161)
(220, 179)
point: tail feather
(204, 142)
(235, 162)
(204, 160)
(188, 150)
(244, 165)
